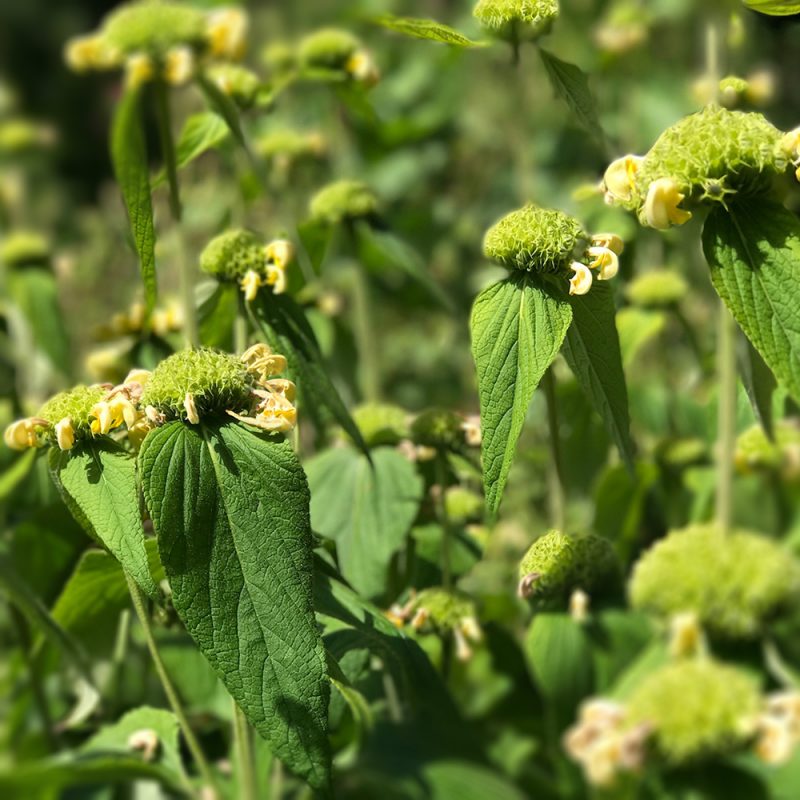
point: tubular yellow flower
(227, 33)
(251, 283)
(113, 412)
(261, 360)
(276, 278)
(274, 414)
(280, 252)
(87, 52)
(191, 409)
(620, 178)
(581, 280)
(140, 376)
(146, 742)
(605, 261)
(661, 206)
(579, 603)
(178, 65)
(610, 241)
(22, 434)
(65, 434)
(362, 68)
(139, 69)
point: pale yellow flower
(661, 206)
(65, 434)
(605, 261)
(139, 69)
(280, 252)
(579, 605)
(620, 178)
(610, 241)
(191, 409)
(227, 33)
(23, 433)
(251, 283)
(179, 65)
(581, 280)
(362, 68)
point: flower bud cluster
(549, 242)
(160, 40)
(344, 200)
(517, 20)
(338, 50)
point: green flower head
(291, 144)
(752, 578)
(344, 200)
(755, 451)
(329, 48)
(462, 504)
(76, 405)
(216, 383)
(695, 708)
(153, 27)
(438, 428)
(239, 83)
(24, 249)
(517, 19)
(556, 563)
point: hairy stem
(555, 476)
(187, 277)
(140, 607)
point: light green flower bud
(557, 563)
(153, 28)
(444, 608)
(216, 383)
(328, 48)
(291, 144)
(344, 200)
(752, 578)
(695, 708)
(755, 451)
(381, 424)
(657, 289)
(279, 57)
(232, 254)
(731, 90)
(239, 83)
(24, 249)
(462, 504)
(517, 19)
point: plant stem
(246, 765)
(369, 373)
(140, 606)
(444, 519)
(726, 416)
(171, 166)
(276, 780)
(555, 475)
(241, 332)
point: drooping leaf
(387, 249)
(35, 293)
(129, 157)
(367, 509)
(571, 84)
(426, 29)
(224, 107)
(593, 353)
(517, 329)
(97, 480)
(230, 510)
(216, 314)
(201, 132)
(287, 331)
(759, 383)
(753, 250)
(774, 8)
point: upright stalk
(444, 518)
(140, 607)
(171, 167)
(245, 756)
(365, 331)
(555, 475)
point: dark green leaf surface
(129, 157)
(367, 509)
(230, 509)
(593, 353)
(517, 330)
(774, 8)
(287, 331)
(754, 254)
(759, 383)
(97, 480)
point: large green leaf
(517, 328)
(753, 249)
(230, 510)
(35, 293)
(97, 480)
(426, 29)
(774, 8)
(129, 156)
(367, 509)
(287, 331)
(759, 384)
(593, 353)
(571, 84)
(201, 132)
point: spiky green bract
(446, 608)
(381, 424)
(521, 19)
(24, 248)
(733, 581)
(343, 200)
(754, 450)
(217, 382)
(439, 428)
(562, 563)
(657, 289)
(153, 27)
(76, 404)
(329, 48)
(231, 254)
(696, 708)
(535, 239)
(714, 154)
(239, 83)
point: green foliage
(517, 330)
(153, 27)
(76, 404)
(657, 289)
(512, 19)
(240, 573)
(367, 507)
(426, 29)
(344, 200)
(23, 248)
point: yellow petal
(65, 434)
(581, 280)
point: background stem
(369, 373)
(444, 518)
(555, 476)
(245, 757)
(726, 416)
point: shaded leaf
(201, 132)
(759, 384)
(426, 29)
